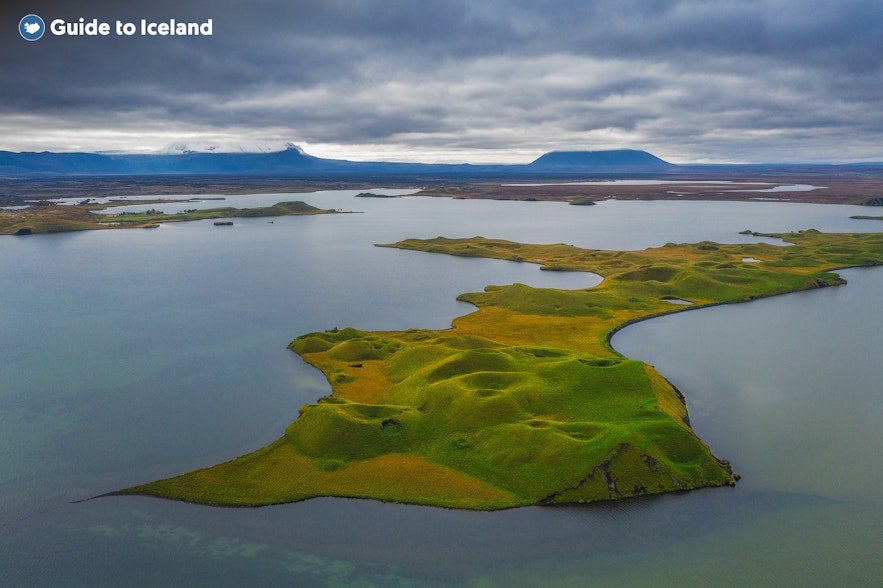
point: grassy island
(55, 218)
(523, 401)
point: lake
(131, 355)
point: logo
(31, 27)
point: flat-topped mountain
(613, 159)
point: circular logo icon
(31, 27)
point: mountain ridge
(294, 161)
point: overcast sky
(492, 81)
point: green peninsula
(523, 401)
(55, 218)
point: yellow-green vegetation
(54, 218)
(523, 401)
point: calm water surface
(131, 355)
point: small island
(56, 218)
(523, 401)
(374, 195)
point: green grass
(523, 401)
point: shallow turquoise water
(131, 355)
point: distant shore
(56, 218)
(28, 207)
(832, 190)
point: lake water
(703, 183)
(628, 182)
(131, 355)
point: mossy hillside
(523, 401)
(637, 283)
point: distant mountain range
(293, 162)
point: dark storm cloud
(775, 80)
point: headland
(522, 401)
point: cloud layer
(700, 80)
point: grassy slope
(523, 401)
(61, 219)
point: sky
(455, 81)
